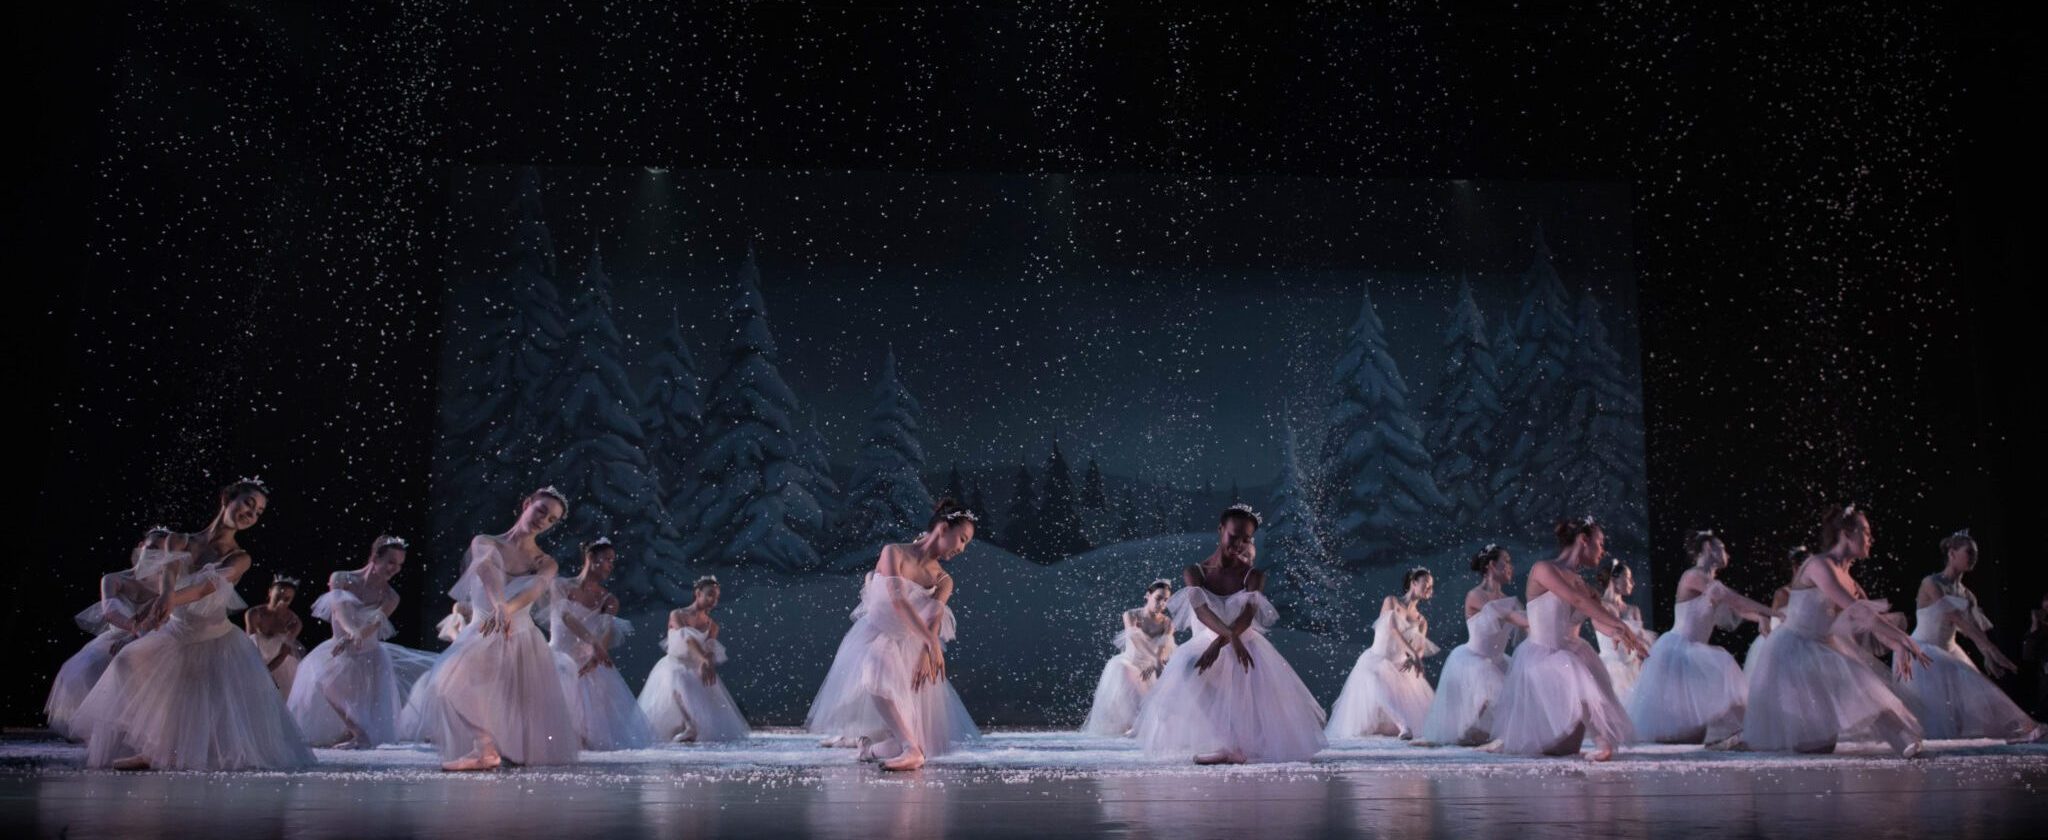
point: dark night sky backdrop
(1158, 328)
(236, 228)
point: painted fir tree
(1467, 417)
(1504, 479)
(1537, 393)
(1603, 473)
(1382, 497)
(1021, 517)
(751, 499)
(491, 434)
(886, 499)
(1060, 530)
(1308, 584)
(1098, 521)
(672, 410)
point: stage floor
(1043, 785)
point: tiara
(1419, 570)
(1964, 533)
(600, 542)
(156, 529)
(550, 492)
(1800, 549)
(1849, 509)
(1159, 583)
(1490, 548)
(707, 580)
(285, 580)
(256, 480)
(388, 542)
(1706, 533)
(1247, 510)
(960, 514)
(1587, 520)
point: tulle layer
(360, 681)
(190, 698)
(1807, 692)
(1556, 696)
(77, 677)
(1380, 698)
(675, 698)
(1690, 693)
(1118, 695)
(503, 683)
(1466, 695)
(1955, 700)
(1265, 712)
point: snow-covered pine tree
(1467, 417)
(1384, 500)
(978, 502)
(1098, 521)
(956, 489)
(490, 448)
(1306, 580)
(886, 500)
(1019, 530)
(1059, 512)
(751, 498)
(672, 411)
(1537, 397)
(1504, 479)
(1603, 474)
(599, 463)
(817, 461)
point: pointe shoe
(910, 759)
(1732, 742)
(133, 762)
(1600, 754)
(1913, 750)
(2031, 736)
(684, 737)
(1229, 756)
(1492, 746)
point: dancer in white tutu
(1616, 582)
(887, 689)
(1810, 684)
(275, 629)
(126, 598)
(1249, 708)
(348, 692)
(494, 696)
(1950, 696)
(1691, 691)
(1143, 647)
(1558, 693)
(583, 627)
(1387, 693)
(1470, 686)
(192, 693)
(684, 699)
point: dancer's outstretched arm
(1582, 599)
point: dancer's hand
(1208, 657)
(589, 665)
(1996, 665)
(1244, 657)
(936, 654)
(492, 625)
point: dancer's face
(1625, 583)
(1861, 541)
(707, 597)
(387, 563)
(601, 561)
(243, 511)
(1962, 557)
(541, 513)
(953, 539)
(1234, 540)
(281, 597)
(1422, 588)
(1714, 555)
(1156, 599)
(1594, 546)
(1503, 569)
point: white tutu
(1950, 696)
(287, 669)
(878, 657)
(408, 665)
(1691, 692)
(1470, 686)
(360, 681)
(1557, 693)
(503, 683)
(1810, 686)
(606, 716)
(83, 669)
(1265, 713)
(1623, 668)
(676, 700)
(1143, 650)
(1381, 697)
(191, 695)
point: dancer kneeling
(494, 697)
(1691, 691)
(887, 689)
(1557, 692)
(585, 624)
(684, 699)
(1951, 697)
(1144, 646)
(1386, 693)
(1469, 690)
(1249, 708)
(348, 690)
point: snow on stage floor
(1045, 784)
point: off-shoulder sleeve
(1417, 641)
(1183, 603)
(716, 648)
(1720, 611)
(94, 619)
(450, 627)
(350, 616)
(1966, 609)
(150, 562)
(482, 584)
(946, 626)
(1267, 615)
(1860, 617)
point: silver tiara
(707, 580)
(550, 492)
(388, 542)
(1799, 549)
(1247, 510)
(960, 514)
(285, 580)
(599, 542)
(1964, 533)
(1849, 509)
(156, 529)
(1490, 548)
(1159, 583)
(1421, 570)
(1706, 533)
(256, 480)
(1588, 520)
